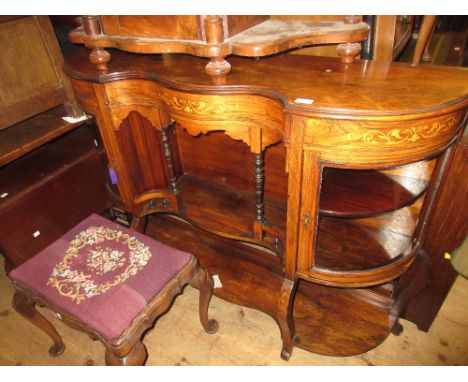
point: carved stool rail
(110, 282)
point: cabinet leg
(397, 328)
(285, 316)
(409, 286)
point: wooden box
(48, 191)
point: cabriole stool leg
(135, 357)
(25, 306)
(204, 282)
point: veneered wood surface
(253, 278)
(363, 196)
(239, 23)
(347, 245)
(362, 89)
(275, 36)
(184, 27)
(229, 211)
(251, 36)
(137, 138)
(237, 171)
(380, 120)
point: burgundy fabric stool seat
(109, 281)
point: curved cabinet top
(306, 85)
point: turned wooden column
(168, 156)
(98, 56)
(349, 50)
(218, 68)
(259, 179)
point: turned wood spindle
(168, 155)
(218, 68)
(98, 56)
(259, 178)
(348, 51)
(352, 19)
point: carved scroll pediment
(237, 116)
(120, 114)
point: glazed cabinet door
(367, 193)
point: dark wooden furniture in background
(48, 191)
(446, 36)
(52, 172)
(322, 168)
(32, 80)
(391, 34)
(446, 232)
(215, 37)
(425, 32)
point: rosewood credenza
(306, 184)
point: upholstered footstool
(110, 282)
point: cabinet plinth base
(329, 321)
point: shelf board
(38, 167)
(274, 36)
(25, 136)
(349, 245)
(228, 211)
(266, 38)
(364, 193)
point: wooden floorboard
(245, 337)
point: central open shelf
(228, 211)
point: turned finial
(214, 30)
(348, 51)
(352, 19)
(92, 25)
(100, 57)
(218, 67)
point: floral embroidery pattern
(104, 260)
(79, 286)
